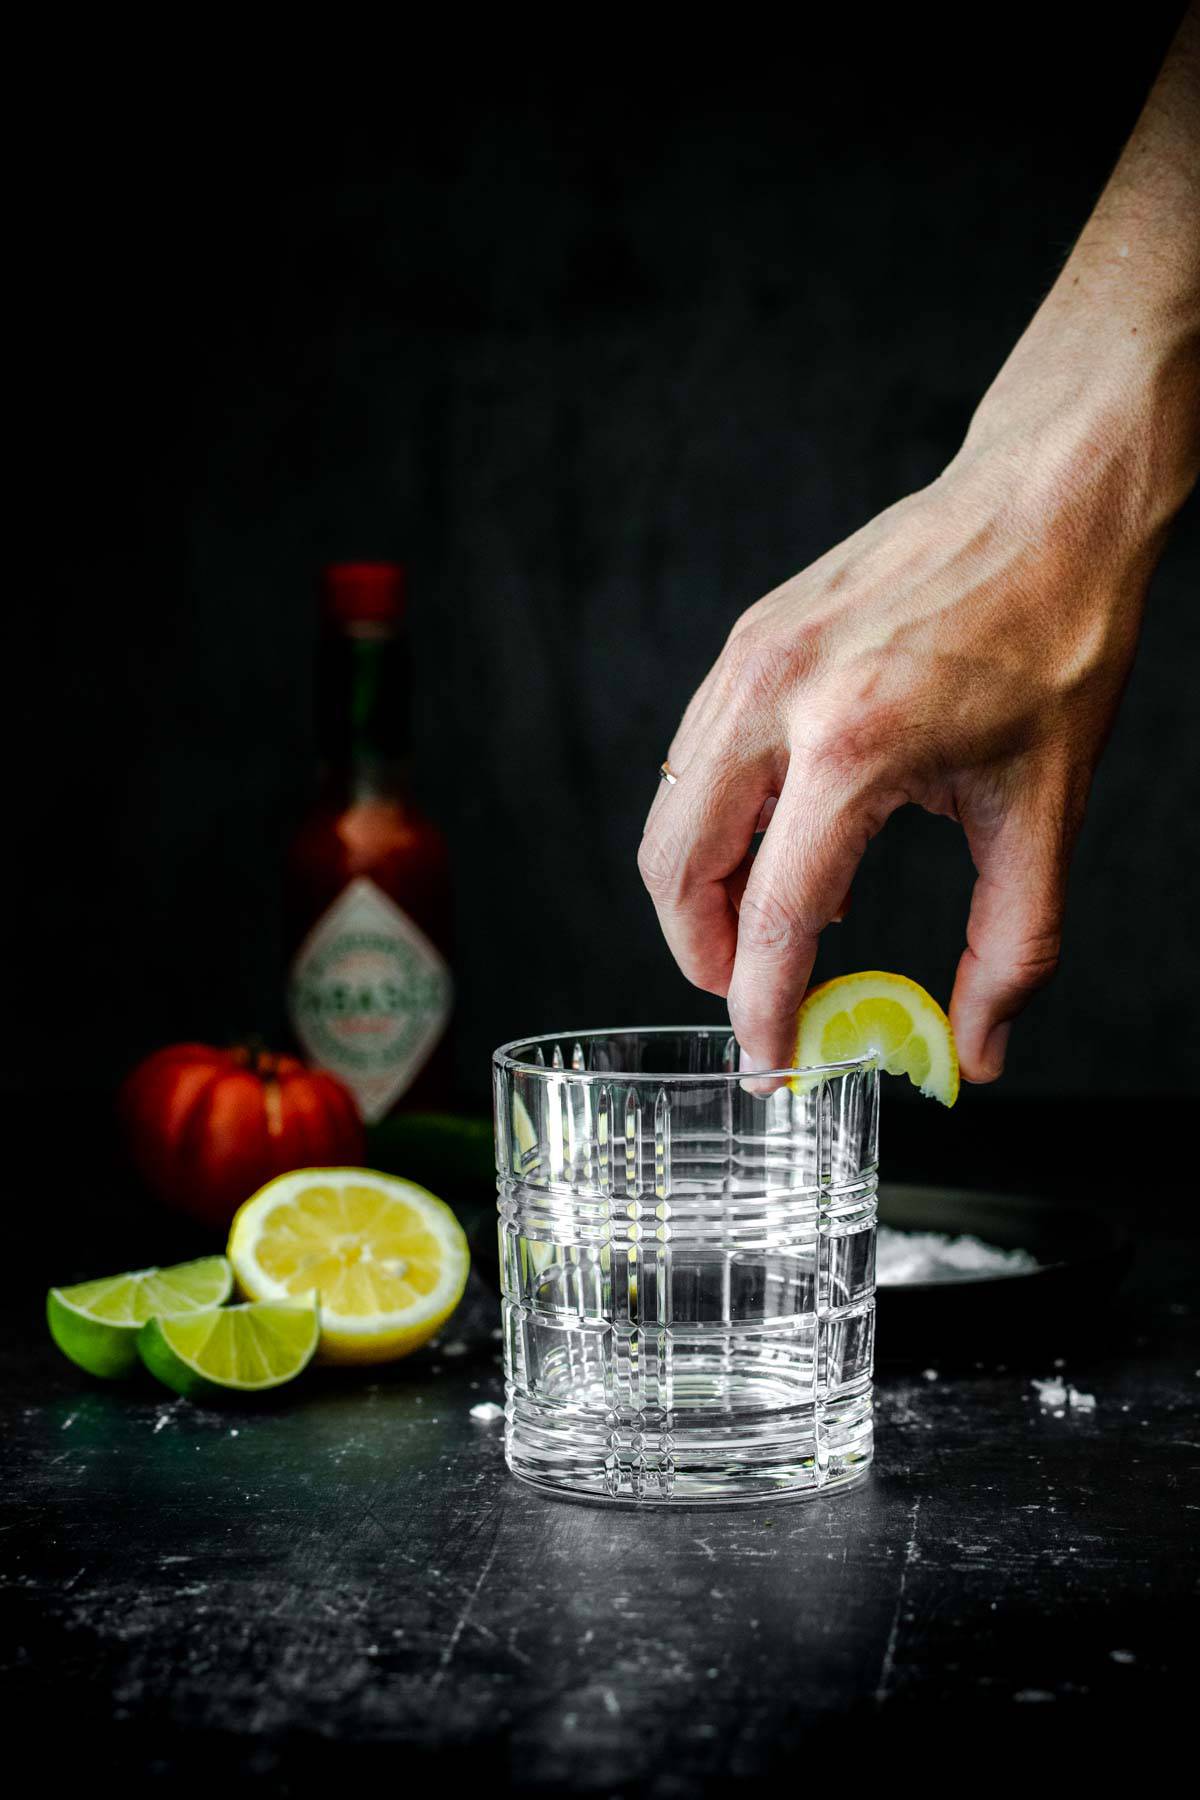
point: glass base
(708, 1453)
(787, 1496)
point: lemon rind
(351, 1331)
(943, 1081)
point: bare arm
(965, 651)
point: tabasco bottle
(369, 989)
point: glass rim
(502, 1058)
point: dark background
(603, 347)
(604, 338)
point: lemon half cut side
(387, 1259)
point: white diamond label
(369, 996)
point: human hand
(965, 652)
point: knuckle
(766, 925)
(1021, 964)
(763, 671)
(1035, 959)
(658, 864)
(746, 629)
(762, 667)
(863, 739)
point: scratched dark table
(346, 1584)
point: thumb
(1015, 927)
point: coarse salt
(903, 1257)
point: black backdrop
(602, 360)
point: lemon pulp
(886, 1015)
(387, 1259)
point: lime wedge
(232, 1349)
(96, 1323)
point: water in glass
(687, 1267)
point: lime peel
(96, 1323)
(227, 1350)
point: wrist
(1091, 408)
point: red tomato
(208, 1127)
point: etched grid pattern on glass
(687, 1269)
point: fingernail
(747, 1064)
(994, 1046)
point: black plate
(1083, 1256)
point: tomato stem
(252, 1054)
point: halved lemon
(387, 1259)
(887, 1014)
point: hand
(967, 649)
(964, 652)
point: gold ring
(666, 773)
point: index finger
(800, 877)
(696, 839)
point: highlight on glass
(687, 1267)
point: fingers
(797, 884)
(697, 837)
(1014, 930)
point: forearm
(1137, 261)
(1109, 368)
(966, 649)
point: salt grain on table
(1058, 1396)
(487, 1412)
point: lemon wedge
(889, 1015)
(387, 1259)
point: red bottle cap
(364, 593)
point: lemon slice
(387, 1259)
(231, 1349)
(96, 1323)
(887, 1014)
